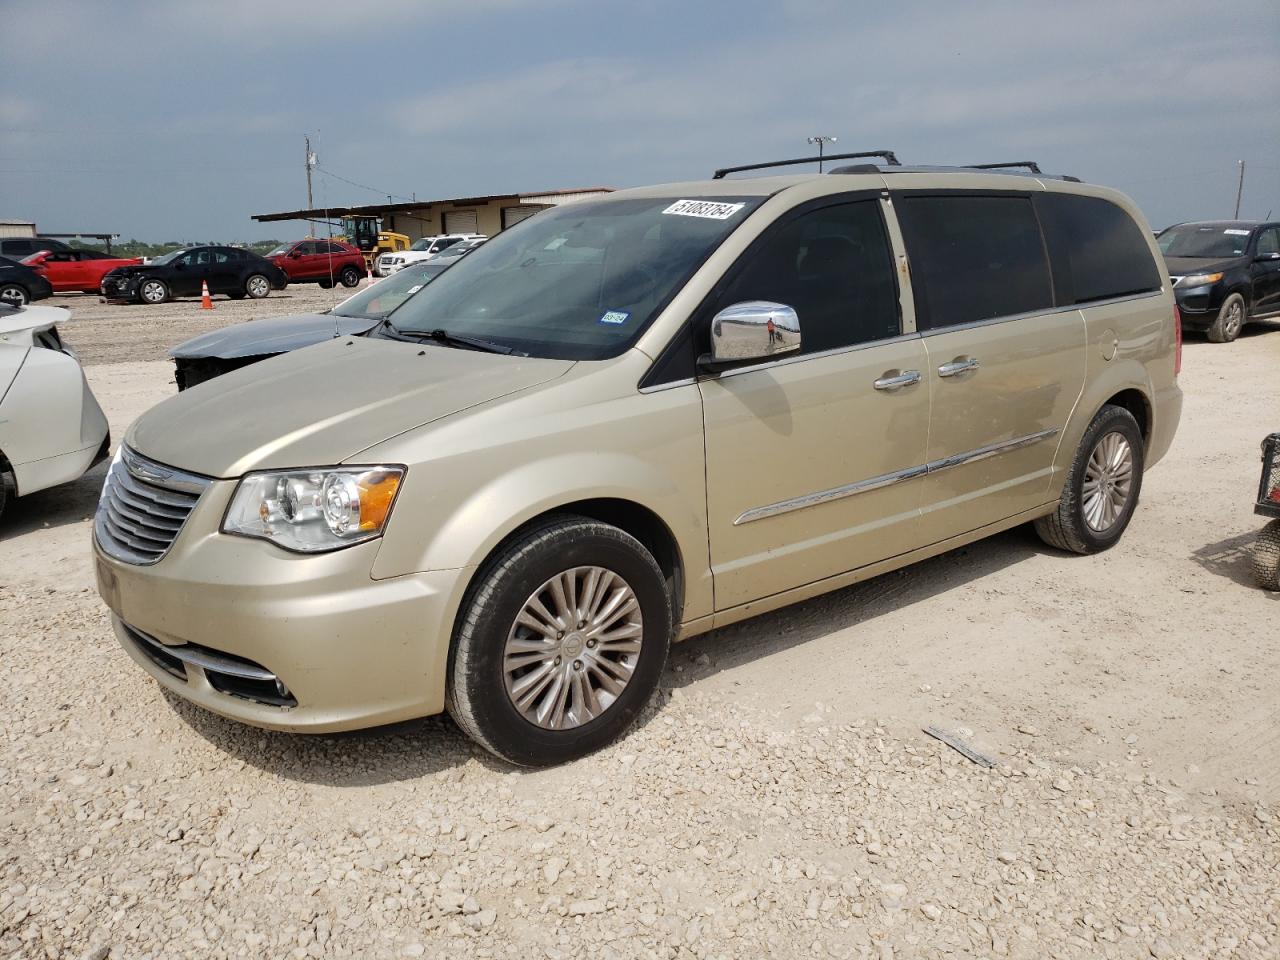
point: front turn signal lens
(317, 510)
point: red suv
(325, 262)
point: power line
(362, 186)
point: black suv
(1224, 272)
(20, 247)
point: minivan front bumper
(214, 618)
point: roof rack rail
(1029, 164)
(888, 156)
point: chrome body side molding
(898, 476)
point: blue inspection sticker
(615, 317)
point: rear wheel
(1230, 320)
(153, 291)
(561, 642)
(14, 294)
(350, 277)
(257, 286)
(1102, 486)
(1266, 557)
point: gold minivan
(634, 419)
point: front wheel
(561, 641)
(350, 277)
(1266, 557)
(1102, 486)
(153, 292)
(13, 294)
(1230, 320)
(257, 286)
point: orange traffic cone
(206, 301)
(368, 273)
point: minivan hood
(325, 403)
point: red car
(325, 262)
(76, 269)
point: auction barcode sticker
(707, 209)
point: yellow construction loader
(366, 233)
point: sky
(178, 121)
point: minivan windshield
(578, 281)
(1203, 240)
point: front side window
(974, 258)
(1098, 250)
(834, 267)
(1269, 242)
(580, 281)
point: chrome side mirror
(753, 330)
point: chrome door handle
(903, 379)
(957, 367)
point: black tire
(1232, 316)
(325, 284)
(4, 491)
(1266, 557)
(476, 692)
(152, 291)
(257, 286)
(1067, 528)
(350, 277)
(14, 293)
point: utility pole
(1239, 190)
(821, 142)
(311, 162)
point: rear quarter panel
(1131, 345)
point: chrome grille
(143, 506)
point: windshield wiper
(448, 339)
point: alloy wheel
(1234, 319)
(1108, 482)
(258, 287)
(13, 294)
(573, 648)
(153, 291)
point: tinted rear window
(974, 258)
(1098, 251)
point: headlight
(1199, 279)
(312, 511)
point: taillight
(1177, 341)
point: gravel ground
(778, 798)
(125, 332)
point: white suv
(423, 249)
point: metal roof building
(424, 218)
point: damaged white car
(51, 428)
